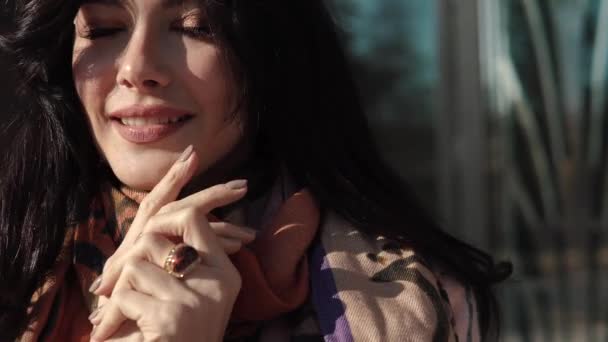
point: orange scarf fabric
(346, 285)
(274, 268)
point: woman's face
(152, 82)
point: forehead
(124, 3)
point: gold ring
(181, 260)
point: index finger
(164, 192)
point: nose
(141, 66)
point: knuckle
(109, 263)
(189, 216)
(210, 195)
(148, 204)
(219, 191)
(130, 266)
(118, 295)
(144, 245)
(166, 208)
(153, 222)
(173, 176)
(190, 301)
(146, 240)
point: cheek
(209, 80)
(202, 61)
(92, 69)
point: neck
(240, 163)
(230, 167)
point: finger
(150, 247)
(145, 278)
(127, 332)
(154, 248)
(233, 231)
(152, 280)
(131, 305)
(192, 227)
(211, 282)
(164, 192)
(208, 199)
(96, 316)
(231, 246)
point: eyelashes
(98, 32)
(195, 32)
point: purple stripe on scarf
(329, 307)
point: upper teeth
(138, 121)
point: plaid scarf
(343, 285)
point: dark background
(6, 76)
(4, 84)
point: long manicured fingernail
(94, 315)
(96, 320)
(95, 284)
(186, 154)
(237, 184)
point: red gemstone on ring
(181, 259)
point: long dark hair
(297, 89)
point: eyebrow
(166, 4)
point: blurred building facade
(495, 110)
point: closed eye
(100, 32)
(196, 32)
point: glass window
(393, 47)
(546, 64)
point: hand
(161, 200)
(128, 332)
(163, 306)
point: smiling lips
(142, 125)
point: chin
(141, 175)
(140, 183)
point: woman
(203, 170)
